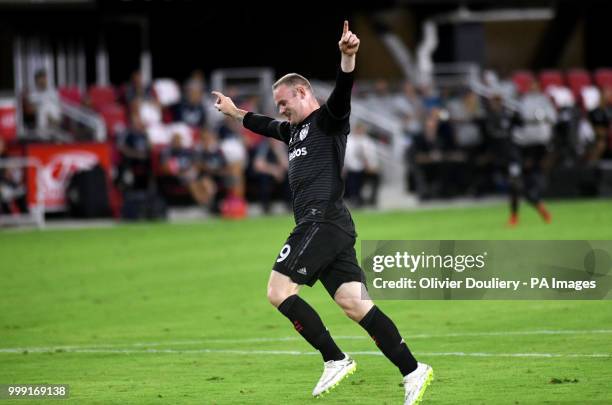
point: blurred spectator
(527, 180)
(600, 118)
(270, 168)
(409, 107)
(12, 187)
(141, 98)
(362, 167)
(434, 161)
(564, 146)
(498, 147)
(380, 98)
(467, 116)
(43, 104)
(136, 89)
(191, 109)
(212, 119)
(251, 139)
(431, 98)
(180, 163)
(232, 146)
(135, 156)
(538, 116)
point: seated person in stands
(180, 162)
(361, 167)
(434, 159)
(42, 104)
(270, 166)
(600, 119)
(12, 187)
(141, 98)
(191, 109)
(135, 151)
(234, 150)
(211, 163)
(137, 89)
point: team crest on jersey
(304, 131)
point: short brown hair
(292, 79)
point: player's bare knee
(276, 296)
(349, 305)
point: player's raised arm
(339, 101)
(349, 45)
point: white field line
(292, 338)
(300, 353)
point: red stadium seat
(603, 77)
(522, 79)
(551, 78)
(577, 79)
(101, 96)
(71, 95)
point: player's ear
(301, 91)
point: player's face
(289, 103)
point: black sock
(387, 338)
(308, 324)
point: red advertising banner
(59, 163)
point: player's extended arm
(257, 123)
(339, 102)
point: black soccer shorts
(319, 251)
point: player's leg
(515, 185)
(283, 294)
(307, 251)
(344, 281)
(356, 304)
(533, 193)
(299, 263)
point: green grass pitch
(177, 313)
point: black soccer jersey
(316, 156)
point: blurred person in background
(270, 166)
(235, 152)
(251, 139)
(537, 118)
(179, 162)
(564, 145)
(498, 150)
(137, 89)
(191, 109)
(212, 167)
(600, 119)
(380, 98)
(409, 107)
(362, 167)
(12, 186)
(140, 98)
(135, 156)
(466, 115)
(532, 135)
(432, 158)
(43, 103)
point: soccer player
(321, 246)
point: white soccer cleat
(416, 383)
(333, 373)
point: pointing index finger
(346, 27)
